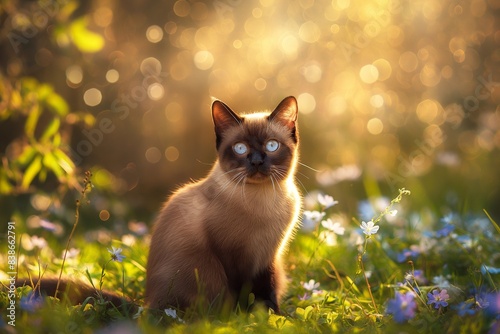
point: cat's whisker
(271, 176)
(230, 181)
(314, 170)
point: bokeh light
(112, 76)
(92, 97)
(74, 74)
(377, 82)
(153, 155)
(172, 153)
(154, 34)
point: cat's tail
(77, 292)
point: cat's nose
(256, 159)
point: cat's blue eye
(240, 148)
(272, 145)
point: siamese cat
(223, 237)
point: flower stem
(87, 185)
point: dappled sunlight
(392, 95)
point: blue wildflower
(448, 219)
(116, 254)
(487, 269)
(445, 231)
(406, 254)
(439, 299)
(490, 302)
(464, 309)
(402, 307)
(31, 302)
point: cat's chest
(246, 234)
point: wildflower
(326, 201)
(172, 313)
(445, 231)
(139, 228)
(393, 213)
(448, 219)
(439, 299)
(402, 307)
(305, 296)
(334, 227)
(116, 254)
(311, 219)
(369, 228)
(408, 253)
(493, 303)
(487, 269)
(312, 285)
(329, 237)
(71, 254)
(31, 302)
(464, 309)
(415, 276)
(47, 225)
(441, 281)
(33, 242)
(482, 300)
(138, 313)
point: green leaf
(44, 91)
(57, 104)
(50, 161)
(84, 39)
(30, 173)
(27, 155)
(32, 120)
(5, 186)
(64, 161)
(51, 129)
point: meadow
(386, 271)
(399, 121)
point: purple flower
(490, 302)
(305, 296)
(402, 307)
(439, 299)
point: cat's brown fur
(224, 235)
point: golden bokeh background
(392, 93)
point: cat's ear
(286, 114)
(224, 118)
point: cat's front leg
(268, 285)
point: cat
(223, 237)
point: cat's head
(259, 147)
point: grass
(415, 273)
